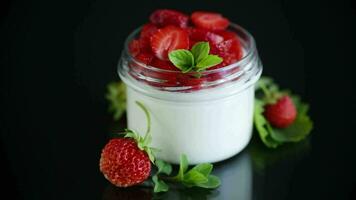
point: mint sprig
(198, 176)
(273, 137)
(198, 59)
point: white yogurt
(207, 131)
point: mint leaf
(182, 59)
(183, 166)
(213, 182)
(163, 167)
(209, 61)
(116, 95)
(159, 185)
(204, 168)
(194, 177)
(200, 50)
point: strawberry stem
(147, 117)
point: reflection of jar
(208, 122)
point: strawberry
(134, 47)
(226, 34)
(165, 17)
(198, 34)
(190, 80)
(282, 113)
(123, 163)
(145, 36)
(209, 20)
(168, 39)
(230, 50)
(163, 64)
(145, 58)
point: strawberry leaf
(163, 167)
(213, 182)
(159, 185)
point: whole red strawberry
(123, 163)
(282, 113)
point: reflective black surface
(56, 58)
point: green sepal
(159, 185)
(116, 96)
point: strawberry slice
(227, 35)
(165, 17)
(146, 32)
(198, 34)
(168, 39)
(230, 50)
(163, 64)
(145, 58)
(134, 47)
(189, 80)
(209, 20)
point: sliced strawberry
(168, 39)
(226, 34)
(163, 64)
(209, 20)
(145, 58)
(134, 47)
(190, 80)
(198, 34)
(165, 17)
(146, 32)
(230, 50)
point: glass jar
(209, 121)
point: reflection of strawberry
(165, 17)
(114, 193)
(123, 163)
(282, 113)
(168, 39)
(134, 47)
(209, 20)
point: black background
(57, 57)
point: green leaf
(200, 51)
(163, 167)
(204, 168)
(194, 177)
(159, 185)
(183, 166)
(182, 59)
(116, 95)
(209, 61)
(213, 182)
